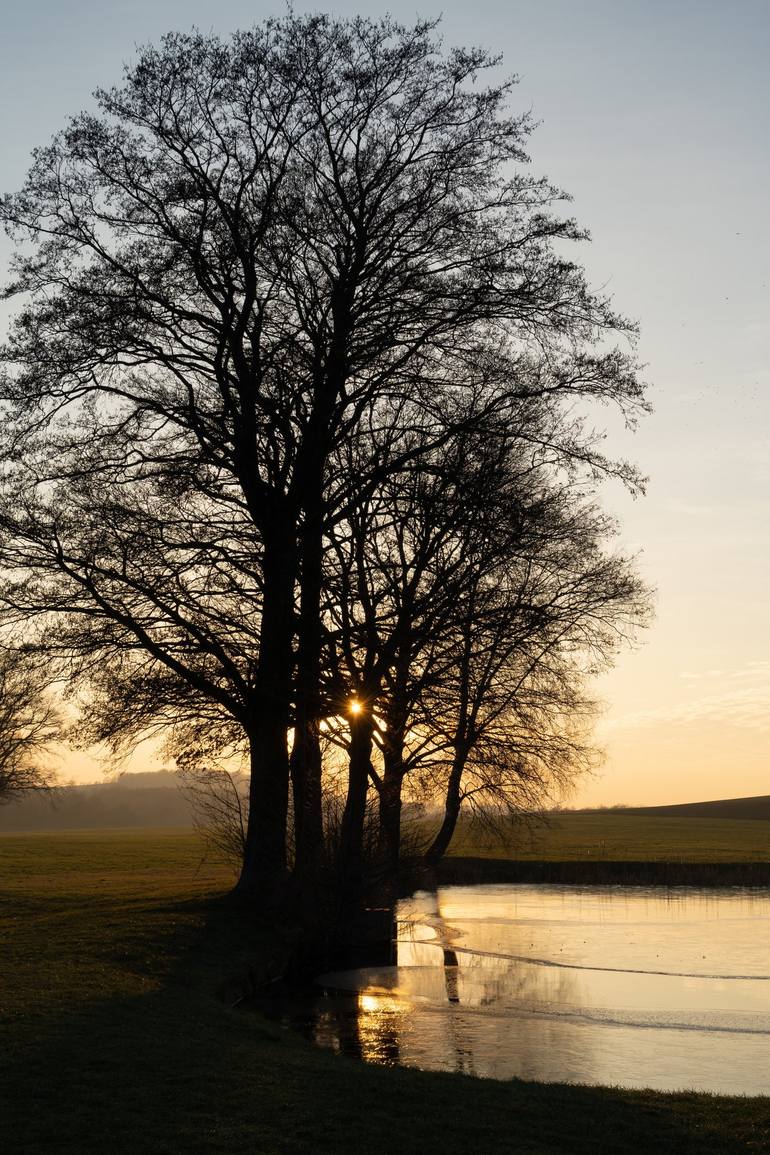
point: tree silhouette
(29, 724)
(253, 250)
(468, 602)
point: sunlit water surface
(622, 985)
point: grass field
(614, 836)
(113, 1037)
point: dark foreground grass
(114, 1037)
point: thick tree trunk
(264, 868)
(353, 818)
(264, 871)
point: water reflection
(598, 985)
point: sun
(355, 706)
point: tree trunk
(264, 864)
(263, 872)
(390, 801)
(306, 760)
(306, 793)
(462, 746)
(394, 739)
(352, 832)
(452, 803)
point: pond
(636, 986)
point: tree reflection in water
(559, 984)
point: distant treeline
(132, 800)
(154, 799)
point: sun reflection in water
(380, 1025)
(380, 1002)
(567, 984)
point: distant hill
(756, 808)
(142, 799)
(144, 779)
(154, 799)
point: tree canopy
(299, 398)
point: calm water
(633, 986)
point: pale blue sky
(656, 117)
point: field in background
(570, 836)
(619, 836)
(115, 1036)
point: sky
(655, 116)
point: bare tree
(512, 709)
(472, 599)
(254, 248)
(220, 808)
(29, 725)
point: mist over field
(154, 799)
(131, 800)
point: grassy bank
(114, 1036)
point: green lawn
(613, 836)
(114, 1037)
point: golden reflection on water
(639, 988)
(379, 1026)
(377, 1002)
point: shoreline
(461, 871)
(120, 962)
